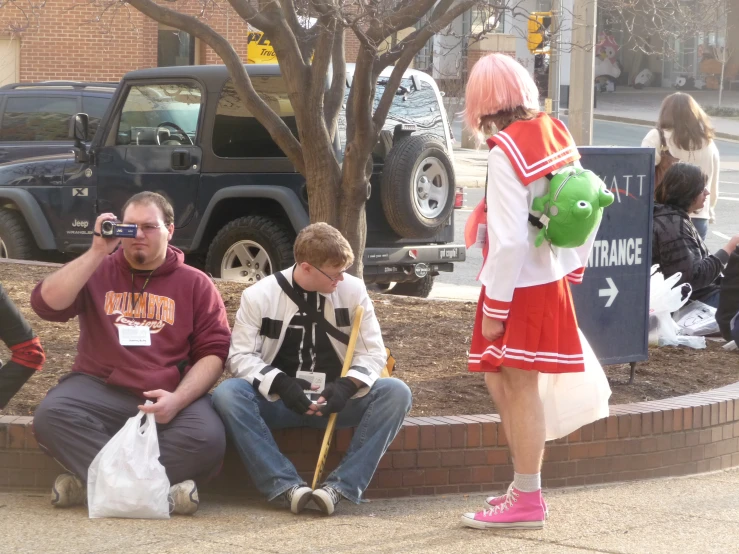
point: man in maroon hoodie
(150, 328)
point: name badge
(134, 336)
(316, 379)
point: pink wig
(496, 83)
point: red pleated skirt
(540, 333)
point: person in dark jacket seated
(677, 246)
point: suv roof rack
(76, 85)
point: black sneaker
(326, 499)
(297, 498)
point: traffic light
(539, 34)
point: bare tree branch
(290, 13)
(335, 94)
(407, 14)
(654, 26)
(29, 14)
(321, 61)
(442, 16)
(249, 14)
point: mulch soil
(429, 339)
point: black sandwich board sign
(612, 302)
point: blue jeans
(701, 225)
(248, 418)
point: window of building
(238, 134)
(175, 47)
(483, 19)
(164, 114)
(37, 118)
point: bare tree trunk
(353, 198)
(323, 179)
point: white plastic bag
(696, 319)
(666, 297)
(572, 400)
(126, 479)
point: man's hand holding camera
(100, 243)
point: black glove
(337, 394)
(292, 392)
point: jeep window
(159, 115)
(94, 107)
(419, 107)
(37, 118)
(237, 133)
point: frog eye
(582, 204)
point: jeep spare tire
(417, 187)
(249, 249)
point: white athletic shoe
(183, 498)
(68, 491)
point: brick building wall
(68, 44)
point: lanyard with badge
(135, 336)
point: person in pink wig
(525, 322)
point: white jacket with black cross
(265, 306)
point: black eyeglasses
(333, 279)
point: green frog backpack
(572, 209)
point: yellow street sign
(259, 49)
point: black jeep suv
(238, 201)
(34, 117)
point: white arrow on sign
(611, 292)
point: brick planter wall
(441, 455)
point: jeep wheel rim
(246, 261)
(431, 187)
(3, 250)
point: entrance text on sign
(607, 253)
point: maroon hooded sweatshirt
(179, 304)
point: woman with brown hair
(685, 131)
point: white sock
(527, 483)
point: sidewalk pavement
(642, 106)
(678, 515)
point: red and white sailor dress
(526, 287)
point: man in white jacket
(287, 363)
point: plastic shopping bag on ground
(126, 479)
(696, 319)
(666, 297)
(572, 400)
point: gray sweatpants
(81, 414)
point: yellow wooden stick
(332, 418)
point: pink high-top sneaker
(519, 510)
(492, 501)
